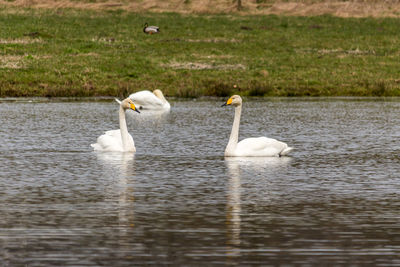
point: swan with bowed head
(118, 140)
(251, 147)
(150, 100)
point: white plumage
(118, 140)
(261, 147)
(150, 100)
(251, 147)
(112, 141)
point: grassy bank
(105, 53)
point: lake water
(178, 201)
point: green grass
(105, 53)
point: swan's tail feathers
(286, 151)
(119, 101)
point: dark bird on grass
(150, 29)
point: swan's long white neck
(123, 128)
(234, 138)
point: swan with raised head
(118, 140)
(251, 147)
(150, 100)
(150, 29)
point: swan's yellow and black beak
(228, 102)
(134, 108)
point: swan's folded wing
(109, 141)
(260, 146)
(146, 99)
(114, 133)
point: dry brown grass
(203, 66)
(212, 40)
(11, 62)
(18, 61)
(350, 8)
(20, 41)
(339, 52)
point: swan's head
(158, 94)
(127, 103)
(234, 100)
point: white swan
(118, 140)
(251, 147)
(150, 100)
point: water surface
(178, 201)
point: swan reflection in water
(153, 116)
(149, 122)
(119, 168)
(251, 166)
